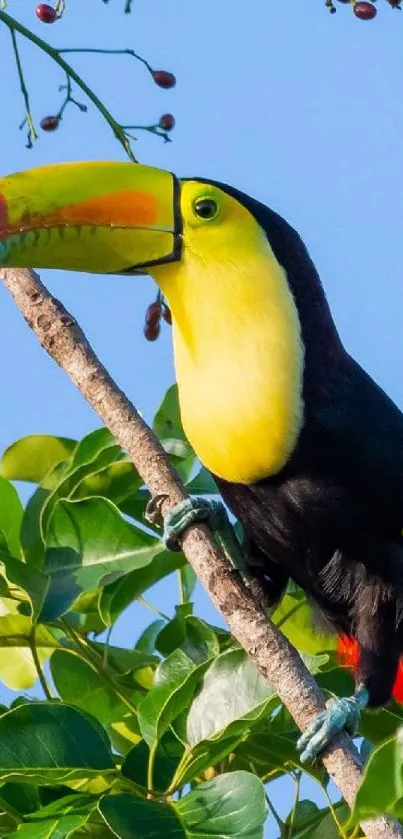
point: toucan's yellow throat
(238, 349)
(237, 339)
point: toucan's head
(112, 218)
(249, 313)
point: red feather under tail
(348, 654)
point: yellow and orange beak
(105, 218)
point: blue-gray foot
(340, 714)
(207, 510)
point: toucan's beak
(105, 218)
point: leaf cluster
(174, 733)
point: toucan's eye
(206, 208)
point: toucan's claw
(340, 714)
(215, 515)
(181, 517)
(188, 512)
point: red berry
(364, 10)
(167, 122)
(166, 313)
(153, 314)
(151, 331)
(46, 13)
(50, 123)
(164, 79)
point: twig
(32, 135)
(100, 51)
(117, 129)
(277, 660)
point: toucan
(306, 450)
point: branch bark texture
(277, 660)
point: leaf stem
(95, 660)
(150, 767)
(275, 814)
(117, 129)
(339, 826)
(297, 780)
(35, 656)
(152, 608)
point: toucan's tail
(348, 655)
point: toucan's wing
(363, 433)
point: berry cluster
(155, 312)
(163, 78)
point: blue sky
(299, 108)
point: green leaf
(233, 693)
(134, 818)
(115, 598)
(188, 580)
(33, 545)
(200, 642)
(17, 666)
(31, 581)
(93, 454)
(381, 789)
(312, 823)
(202, 484)
(77, 683)
(11, 513)
(294, 615)
(167, 421)
(124, 660)
(86, 542)
(58, 819)
(19, 798)
(233, 698)
(50, 743)
(380, 725)
(147, 639)
(32, 457)
(173, 634)
(195, 637)
(116, 482)
(135, 505)
(166, 759)
(271, 753)
(230, 805)
(175, 682)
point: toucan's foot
(215, 515)
(340, 713)
(188, 512)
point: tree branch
(277, 660)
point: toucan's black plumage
(332, 518)
(307, 450)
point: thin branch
(100, 51)
(32, 135)
(117, 129)
(276, 659)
